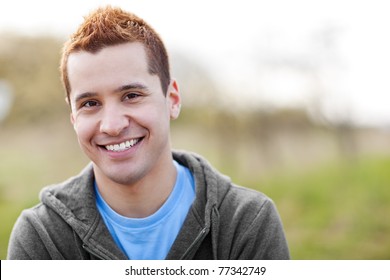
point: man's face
(119, 112)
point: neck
(143, 197)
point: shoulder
(251, 223)
(246, 196)
(39, 231)
(29, 219)
(245, 204)
(28, 234)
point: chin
(121, 180)
(124, 178)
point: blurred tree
(198, 89)
(30, 66)
(6, 98)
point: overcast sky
(235, 39)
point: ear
(72, 120)
(174, 100)
(67, 100)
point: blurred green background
(329, 180)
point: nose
(113, 121)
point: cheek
(84, 129)
(153, 115)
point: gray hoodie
(225, 222)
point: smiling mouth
(120, 147)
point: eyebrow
(84, 95)
(131, 86)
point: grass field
(335, 210)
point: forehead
(111, 65)
(117, 56)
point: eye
(131, 95)
(89, 104)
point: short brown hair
(110, 26)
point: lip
(121, 154)
(120, 141)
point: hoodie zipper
(89, 250)
(202, 234)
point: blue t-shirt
(151, 238)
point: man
(138, 199)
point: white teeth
(122, 146)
